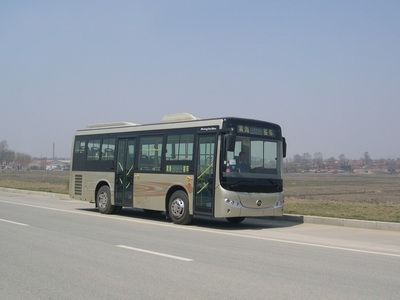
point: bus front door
(124, 172)
(205, 174)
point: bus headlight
(230, 202)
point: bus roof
(106, 128)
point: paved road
(64, 249)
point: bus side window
(179, 153)
(93, 152)
(150, 153)
(108, 149)
(79, 154)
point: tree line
(317, 163)
(11, 158)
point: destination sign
(256, 130)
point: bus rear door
(124, 172)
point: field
(367, 196)
(55, 181)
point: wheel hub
(102, 200)
(177, 208)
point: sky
(327, 71)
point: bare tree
(8, 156)
(318, 161)
(367, 159)
(23, 160)
(344, 163)
(391, 166)
(331, 163)
(3, 149)
(306, 161)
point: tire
(235, 220)
(103, 199)
(178, 208)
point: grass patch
(349, 210)
(54, 182)
(350, 196)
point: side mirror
(284, 146)
(230, 140)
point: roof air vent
(178, 118)
(113, 124)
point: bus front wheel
(103, 199)
(178, 208)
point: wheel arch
(98, 186)
(172, 190)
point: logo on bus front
(208, 128)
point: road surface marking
(155, 253)
(12, 222)
(249, 236)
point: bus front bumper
(240, 204)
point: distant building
(58, 165)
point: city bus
(184, 166)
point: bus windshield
(253, 157)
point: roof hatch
(113, 124)
(178, 118)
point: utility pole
(54, 151)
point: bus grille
(78, 185)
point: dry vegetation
(55, 181)
(368, 197)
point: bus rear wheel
(103, 199)
(235, 220)
(178, 208)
